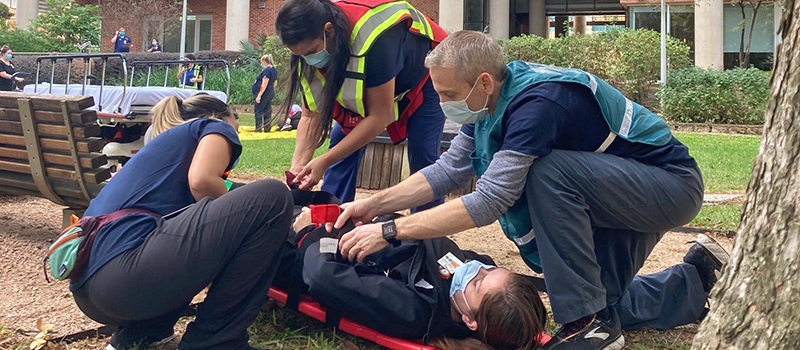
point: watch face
(389, 230)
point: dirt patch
(29, 223)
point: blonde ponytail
(166, 115)
(267, 59)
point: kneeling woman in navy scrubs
(145, 269)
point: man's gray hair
(469, 54)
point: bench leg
(68, 212)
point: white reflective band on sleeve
(592, 83)
(625, 128)
(525, 239)
(609, 140)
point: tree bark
(756, 303)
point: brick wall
(218, 9)
(262, 21)
(429, 7)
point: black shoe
(589, 333)
(708, 257)
(128, 338)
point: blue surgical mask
(459, 112)
(8, 56)
(319, 59)
(121, 33)
(461, 278)
(155, 43)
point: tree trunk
(755, 6)
(741, 41)
(755, 303)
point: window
(476, 14)
(680, 22)
(198, 35)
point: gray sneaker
(708, 257)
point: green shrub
(627, 59)
(25, 41)
(737, 96)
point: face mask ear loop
(466, 302)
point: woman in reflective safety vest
(359, 63)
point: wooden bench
(385, 164)
(50, 148)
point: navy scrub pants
(596, 217)
(424, 138)
(232, 243)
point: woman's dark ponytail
(301, 20)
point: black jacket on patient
(400, 291)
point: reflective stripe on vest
(367, 29)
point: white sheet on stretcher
(113, 102)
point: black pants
(231, 242)
(263, 113)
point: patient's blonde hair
(172, 111)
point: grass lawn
(725, 160)
(265, 154)
(719, 217)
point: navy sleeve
(385, 57)
(203, 127)
(533, 124)
(274, 75)
(468, 129)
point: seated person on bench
(404, 292)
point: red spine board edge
(316, 311)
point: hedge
(627, 59)
(737, 96)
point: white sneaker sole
(158, 343)
(616, 345)
(714, 248)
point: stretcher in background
(123, 110)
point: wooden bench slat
(87, 160)
(86, 145)
(47, 101)
(65, 188)
(78, 117)
(367, 164)
(377, 167)
(386, 172)
(397, 164)
(90, 175)
(83, 131)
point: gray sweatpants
(596, 218)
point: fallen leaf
(38, 344)
(47, 327)
(39, 323)
(41, 335)
(350, 345)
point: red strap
(324, 213)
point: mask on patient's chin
(459, 112)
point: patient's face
(487, 281)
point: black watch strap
(389, 230)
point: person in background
(293, 119)
(263, 92)
(154, 47)
(121, 41)
(189, 76)
(7, 70)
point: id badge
(450, 263)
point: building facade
(712, 28)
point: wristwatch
(389, 230)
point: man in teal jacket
(583, 180)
